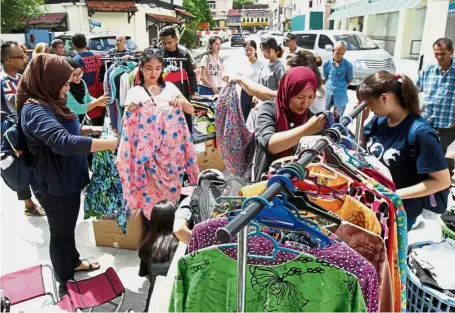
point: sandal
(92, 266)
(35, 210)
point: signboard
(255, 24)
(95, 23)
(452, 9)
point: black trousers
(26, 194)
(246, 103)
(62, 213)
(447, 136)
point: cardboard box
(211, 157)
(109, 234)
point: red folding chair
(94, 291)
(27, 284)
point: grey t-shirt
(271, 74)
(184, 210)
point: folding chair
(27, 284)
(95, 291)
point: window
(212, 5)
(323, 41)
(306, 41)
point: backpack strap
(416, 125)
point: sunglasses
(154, 52)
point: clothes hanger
(276, 248)
(275, 214)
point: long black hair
(253, 44)
(146, 56)
(270, 43)
(160, 244)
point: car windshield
(357, 41)
(105, 44)
(237, 36)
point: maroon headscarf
(291, 84)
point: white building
(220, 10)
(139, 19)
(405, 28)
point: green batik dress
(207, 280)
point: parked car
(237, 40)
(99, 43)
(245, 33)
(274, 34)
(204, 40)
(259, 33)
(224, 36)
(364, 54)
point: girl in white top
(251, 71)
(153, 87)
(211, 69)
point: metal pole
(242, 251)
(358, 127)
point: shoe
(35, 210)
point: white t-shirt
(252, 71)
(215, 68)
(138, 94)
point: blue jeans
(205, 91)
(331, 103)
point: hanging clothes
(306, 284)
(154, 153)
(234, 140)
(104, 195)
(373, 249)
(338, 253)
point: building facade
(254, 17)
(139, 19)
(234, 19)
(220, 9)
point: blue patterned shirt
(439, 95)
(337, 80)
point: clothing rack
(180, 60)
(239, 224)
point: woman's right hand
(112, 144)
(103, 100)
(132, 107)
(315, 124)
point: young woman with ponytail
(419, 171)
(251, 69)
(272, 72)
(212, 68)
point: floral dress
(154, 153)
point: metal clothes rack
(180, 60)
(239, 224)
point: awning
(183, 13)
(165, 19)
(376, 7)
(48, 19)
(111, 6)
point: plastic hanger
(275, 214)
(257, 232)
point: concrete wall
(78, 19)
(19, 38)
(435, 27)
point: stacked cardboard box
(208, 156)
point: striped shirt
(439, 95)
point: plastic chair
(27, 284)
(94, 291)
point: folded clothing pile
(432, 264)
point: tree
(16, 13)
(201, 11)
(238, 4)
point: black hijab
(77, 90)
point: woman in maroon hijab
(283, 121)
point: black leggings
(26, 194)
(246, 103)
(62, 213)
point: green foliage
(238, 4)
(15, 13)
(201, 11)
(189, 37)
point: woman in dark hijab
(58, 154)
(282, 122)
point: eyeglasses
(17, 56)
(80, 74)
(154, 52)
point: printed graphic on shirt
(214, 69)
(377, 149)
(9, 86)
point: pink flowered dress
(155, 150)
